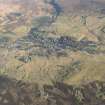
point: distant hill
(77, 5)
(32, 7)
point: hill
(52, 40)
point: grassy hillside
(56, 43)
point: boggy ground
(13, 92)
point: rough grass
(92, 68)
(45, 70)
(14, 92)
(76, 68)
(72, 26)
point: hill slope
(48, 41)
